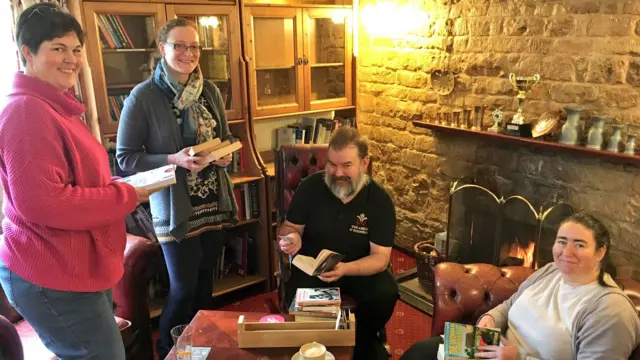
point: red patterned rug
(407, 326)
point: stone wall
(588, 54)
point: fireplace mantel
(607, 155)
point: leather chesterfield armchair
(462, 293)
(142, 258)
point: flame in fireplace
(525, 254)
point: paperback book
(318, 297)
(153, 180)
(461, 341)
(325, 261)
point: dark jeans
(190, 264)
(423, 350)
(375, 296)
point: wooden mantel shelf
(608, 155)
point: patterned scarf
(198, 122)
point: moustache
(340, 178)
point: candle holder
(447, 119)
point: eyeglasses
(195, 49)
(39, 12)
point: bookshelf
(122, 51)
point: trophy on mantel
(522, 84)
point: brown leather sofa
(142, 258)
(462, 293)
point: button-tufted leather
(141, 262)
(464, 292)
(293, 163)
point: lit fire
(526, 255)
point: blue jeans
(72, 325)
(190, 264)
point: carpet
(407, 325)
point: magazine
(461, 341)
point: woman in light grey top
(569, 309)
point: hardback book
(315, 311)
(201, 149)
(153, 180)
(325, 261)
(216, 152)
(461, 341)
(318, 296)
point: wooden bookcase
(121, 50)
(300, 59)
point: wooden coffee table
(219, 331)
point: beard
(347, 186)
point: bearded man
(343, 210)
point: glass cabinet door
(122, 51)
(327, 57)
(275, 44)
(220, 56)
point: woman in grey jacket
(162, 118)
(568, 309)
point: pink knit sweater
(64, 223)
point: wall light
(387, 19)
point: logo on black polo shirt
(360, 227)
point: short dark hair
(44, 22)
(345, 136)
(602, 238)
(163, 33)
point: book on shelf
(310, 131)
(247, 200)
(153, 180)
(461, 341)
(325, 261)
(329, 296)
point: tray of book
(315, 314)
(296, 333)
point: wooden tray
(294, 334)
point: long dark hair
(602, 238)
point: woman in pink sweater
(64, 228)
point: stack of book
(316, 304)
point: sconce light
(387, 19)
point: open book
(214, 149)
(461, 341)
(154, 179)
(325, 261)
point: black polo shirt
(344, 228)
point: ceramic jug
(594, 139)
(570, 128)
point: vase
(614, 140)
(570, 128)
(630, 149)
(594, 139)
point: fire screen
(485, 228)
